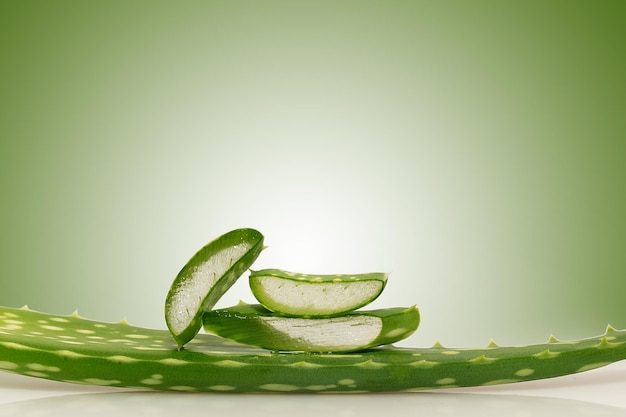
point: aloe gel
(313, 295)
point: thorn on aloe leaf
(492, 344)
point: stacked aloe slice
(297, 312)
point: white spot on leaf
(370, 364)
(53, 328)
(221, 388)
(137, 336)
(155, 379)
(304, 364)
(346, 381)
(424, 364)
(59, 319)
(8, 365)
(36, 374)
(445, 381)
(396, 332)
(592, 366)
(279, 387)
(101, 382)
(173, 361)
(501, 381)
(40, 367)
(525, 372)
(18, 346)
(122, 359)
(230, 364)
(183, 388)
(70, 354)
(320, 387)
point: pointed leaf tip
(412, 308)
(75, 315)
(553, 339)
(438, 345)
(25, 307)
(610, 329)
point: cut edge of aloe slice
(253, 325)
(206, 277)
(313, 295)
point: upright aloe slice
(205, 278)
(304, 295)
(256, 326)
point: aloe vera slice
(206, 277)
(304, 295)
(253, 325)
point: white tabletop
(601, 392)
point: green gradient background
(474, 149)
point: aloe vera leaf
(206, 277)
(252, 324)
(72, 349)
(305, 295)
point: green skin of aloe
(72, 349)
(75, 350)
